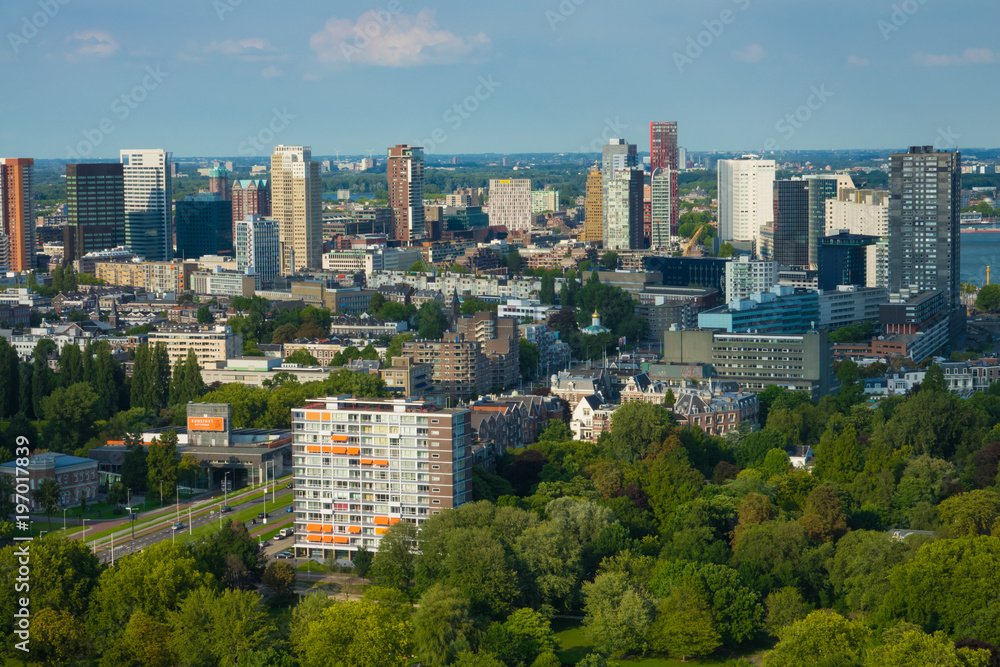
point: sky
(86, 78)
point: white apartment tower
(746, 197)
(746, 276)
(148, 203)
(864, 212)
(510, 204)
(297, 205)
(258, 249)
(660, 208)
(623, 211)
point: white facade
(148, 204)
(623, 211)
(746, 276)
(864, 212)
(850, 304)
(258, 249)
(297, 204)
(746, 197)
(544, 200)
(522, 309)
(510, 204)
(660, 204)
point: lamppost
(84, 531)
(64, 519)
(131, 517)
(225, 483)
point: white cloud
(752, 54)
(857, 61)
(968, 57)
(272, 71)
(93, 44)
(394, 40)
(249, 49)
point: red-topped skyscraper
(663, 155)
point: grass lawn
(574, 645)
(242, 516)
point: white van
(286, 532)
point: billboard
(205, 424)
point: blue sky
(233, 77)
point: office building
(746, 276)
(791, 223)
(746, 197)
(687, 271)
(662, 200)
(463, 197)
(204, 226)
(77, 477)
(510, 204)
(782, 310)
(593, 220)
(664, 156)
(864, 212)
(218, 182)
(405, 173)
(623, 210)
(461, 369)
(918, 322)
(848, 305)
(258, 249)
(250, 197)
(95, 206)
(843, 259)
(801, 362)
(924, 234)
(362, 465)
(542, 201)
(297, 205)
(821, 190)
(220, 282)
(17, 212)
(148, 203)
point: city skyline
(471, 74)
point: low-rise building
(223, 283)
(519, 309)
(573, 385)
(210, 344)
(77, 477)
(255, 371)
(640, 389)
(155, 277)
(461, 369)
(408, 379)
(591, 417)
(718, 409)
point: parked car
(177, 526)
(284, 554)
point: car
(265, 544)
(177, 526)
(289, 485)
(289, 509)
(226, 508)
(262, 515)
(284, 554)
(279, 536)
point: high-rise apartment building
(543, 201)
(510, 204)
(593, 220)
(791, 223)
(616, 154)
(746, 276)
(864, 212)
(364, 464)
(204, 226)
(95, 209)
(250, 197)
(258, 249)
(17, 211)
(218, 182)
(297, 204)
(664, 155)
(623, 216)
(746, 197)
(821, 190)
(661, 207)
(405, 171)
(924, 234)
(148, 203)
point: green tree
(279, 578)
(211, 628)
(824, 519)
(619, 614)
(393, 566)
(859, 571)
(637, 429)
(441, 619)
(934, 379)
(372, 631)
(375, 304)
(363, 559)
(161, 465)
(47, 495)
(821, 638)
(553, 558)
(513, 261)
(70, 365)
(913, 648)
(145, 642)
(547, 295)
(186, 384)
(988, 299)
(134, 468)
(726, 250)
(57, 638)
(205, 315)
(609, 261)
(286, 333)
(431, 321)
(784, 607)
(838, 456)
(972, 513)
(528, 357)
(9, 380)
(151, 377)
(302, 356)
(70, 415)
(683, 626)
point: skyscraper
(250, 197)
(746, 197)
(204, 226)
(664, 155)
(297, 204)
(864, 212)
(258, 249)
(510, 204)
(218, 182)
(616, 154)
(148, 203)
(17, 211)
(791, 223)
(405, 171)
(95, 209)
(593, 221)
(821, 189)
(924, 234)
(661, 187)
(623, 216)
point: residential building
(616, 155)
(258, 249)
(463, 197)
(345, 500)
(250, 197)
(498, 428)
(718, 410)
(591, 417)
(519, 309)
(17, 212)
(297, 205)
(405, 171)
(574, 384)
(511, 204)
(553, 354)
(154, 277)
(499, 339)
(220, 282)
(593, 221)
(791, 223)
(662, 201)
(95, 198)
(210, 344)
(77, 477)
(920, 320)
(204, 226)
(924, 232)
(746, 197)
(640, 389)
(864, 212)
(365, 327)
(664, 157)
(623, 211)
(406, 378)
(218, 183)
(461, 369)
(746, 276)
(148, 203)
(542, 201)
(802, 362)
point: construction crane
(689, 248)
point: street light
(84, 531)
(225, 484)
(64, 519)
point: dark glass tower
(791, 223)
(95, 208)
